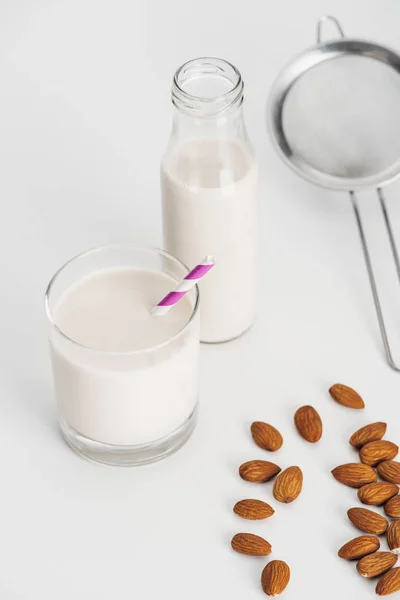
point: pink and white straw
(186, 284)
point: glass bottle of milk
(209, 193)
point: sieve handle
(328, 19)
(368, 264)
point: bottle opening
(207, 87)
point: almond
(375, 564)
(254, 509)
(389, 582)
(346, 396)
(359, 547)
(376, 452)
(392, 508)
(266, 436)
(393, 537)
(275, 577)
(389, 470)
(377, 493)
(288, 485)
(368, 433)
(253, 545)
(368, 520)
(258, 471)
(308, 423)
(355, 474)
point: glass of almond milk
(125, 381)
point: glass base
(128, 456)
(230, 339)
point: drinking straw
(186, 284)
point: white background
(84, 118)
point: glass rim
(148, 249)
(231, 96)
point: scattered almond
(375, 564)
(377, 493)
(392, 507)
(308, 423)
(288, 485)
(389, 582)
(368, 433)
(389, 470)
(275, 577)
(346, 396)
(393, 537)
(258, 471)
(355, 474)
(254, 510)
(368, 520)
(253, 545)
(359, 547)
(266, 436)
(376, 452)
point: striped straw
(186, 284)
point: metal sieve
(334, 118)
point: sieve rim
(290, 74)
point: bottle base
(128, 456)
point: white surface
(84, 119)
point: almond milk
(121, 376)
(209, 194)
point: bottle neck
(207, 88)
(226, 124)
(207, 94)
